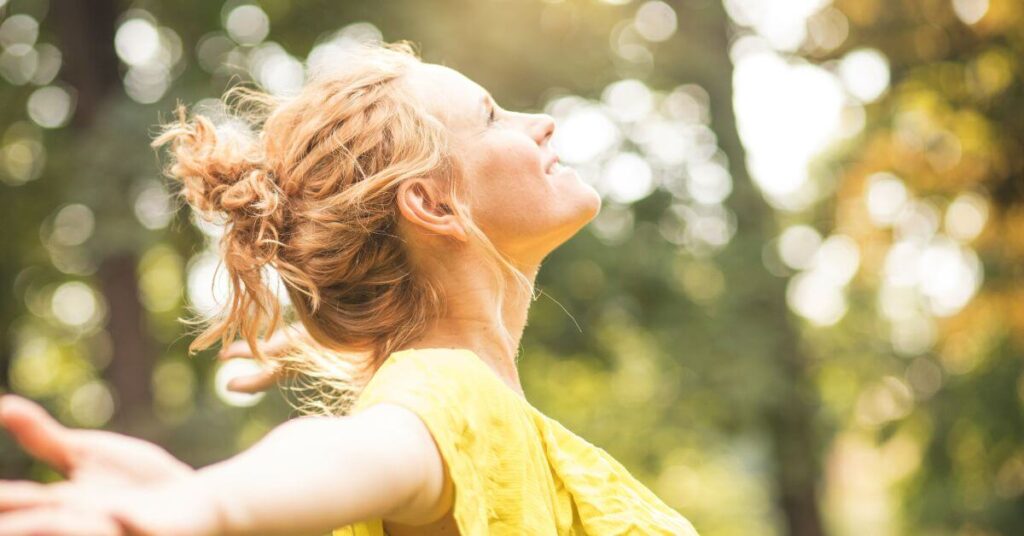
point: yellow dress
(515, 470)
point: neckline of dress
(477, 358)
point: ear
(421, 203)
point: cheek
(511, 161)
(510, 174)
(509, 188)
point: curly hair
(307, 184)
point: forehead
(448, 95)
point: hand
(92, 456)
(56, 521)
(278, 344)
(118, 485)
(74, 509)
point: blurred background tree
(797, 313)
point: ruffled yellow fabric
(515, 470)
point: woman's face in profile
(519, 195)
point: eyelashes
(491, 117)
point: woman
(407, 215)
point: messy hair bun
(306, 185)
(224, 177)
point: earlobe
(459, 232)
(418, 202)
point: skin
(525, 211)
(394, 470)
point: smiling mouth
(554, 167)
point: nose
(543, 128)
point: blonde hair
(308, 188)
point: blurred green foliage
(687, 330)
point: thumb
(36, 431)
(253, 383)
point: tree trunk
(131, 366)
(5, 365)
(86, 36)
(86, 32)
(789, 413)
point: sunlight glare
(786, 113)
(970, 11)
(865, 73)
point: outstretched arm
(307, 476)
(318, 473)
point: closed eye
(492, 117)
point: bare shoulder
(419, 472)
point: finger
(253, 383)
(41, 435)
(236, 349)
(278, 343)
(58, 522)
(21, 494)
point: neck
(473, 322)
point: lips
(551, 164)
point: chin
(568, 227)
(588, 205)
(583, 205)
(589, 202)
(596, 202)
